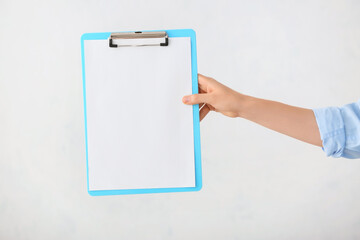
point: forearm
(299, 123)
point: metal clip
(139, 35)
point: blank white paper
(139, 133)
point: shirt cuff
(332, 130)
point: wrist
(244, 105)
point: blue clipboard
(174, 33)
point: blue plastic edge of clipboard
(196, 121)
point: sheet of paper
(140, 134)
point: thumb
(195, 99)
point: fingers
(201, 90)
(204, 111)
(196, 99)
(202, 79)
(202, 98)
(203, 82)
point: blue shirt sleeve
(340, 130)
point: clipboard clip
(137, 39)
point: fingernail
(186, 99)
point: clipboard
(139, 136)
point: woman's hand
(214, 96)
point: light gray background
(257, 184)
